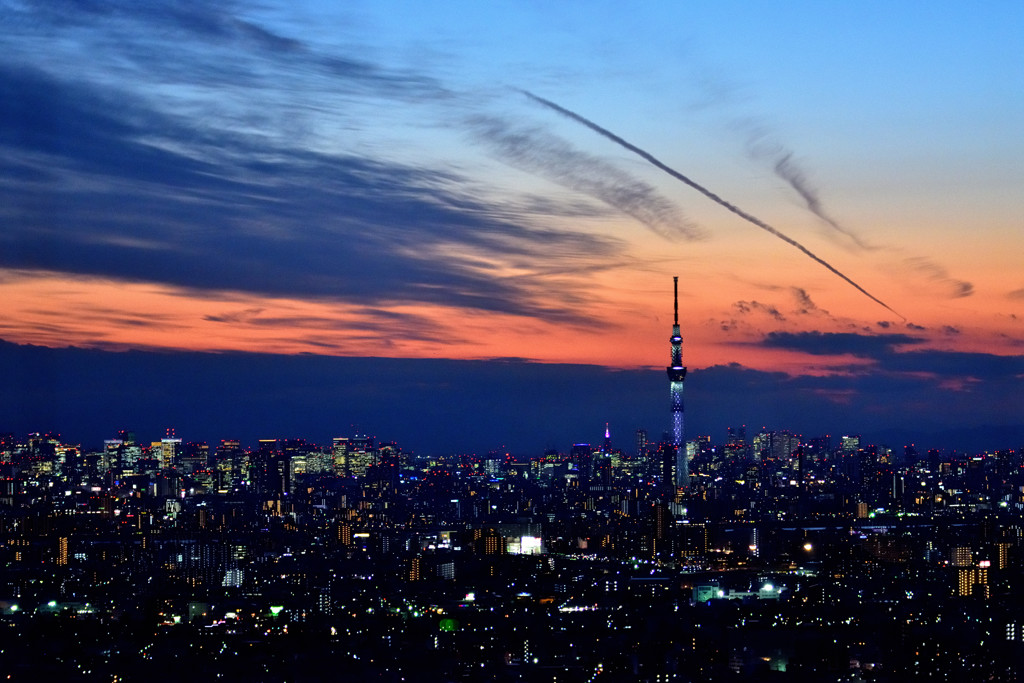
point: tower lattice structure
(676, 377)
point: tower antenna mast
(675, 300)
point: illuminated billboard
(524, 545)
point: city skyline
(460, 404)
(367, 192)
(782, 559)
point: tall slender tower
(676, 376)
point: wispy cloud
(900, 354)
(838, 343)
(764, 145)
(123, 35)
(657, 163)
(953, 287)
(746, 307)
(97, 183)
(805, 305)
(539, 152)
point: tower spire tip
(675, 299)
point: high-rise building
(736, 443)
(641, 443)
(961, 556)
(606, 445)
(271, 469)
(694, 539)
(973, 581)
(773, 450)
(170, 445)
(361, 455)
(676, 376)
(663, 541)
(668, 465)
(1002, 555)
(339, 455)
(231, 464)
(581, 456)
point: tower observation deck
(676, 376)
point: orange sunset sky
(372, 181)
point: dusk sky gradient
(361, 189)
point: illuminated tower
(676, 376)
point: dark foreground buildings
(784, 558)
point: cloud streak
(956, 289)
(94, 182)
(763, 145)
(546, 155)
(745, 307)
(839, 343)
(707, 193)
(785, 166)
(805, 305)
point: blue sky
(368, 180)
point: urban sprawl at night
(336, 342)
(783, 558)
(773, 557)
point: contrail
(787, 169)
(703, 190)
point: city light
(360, 557)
